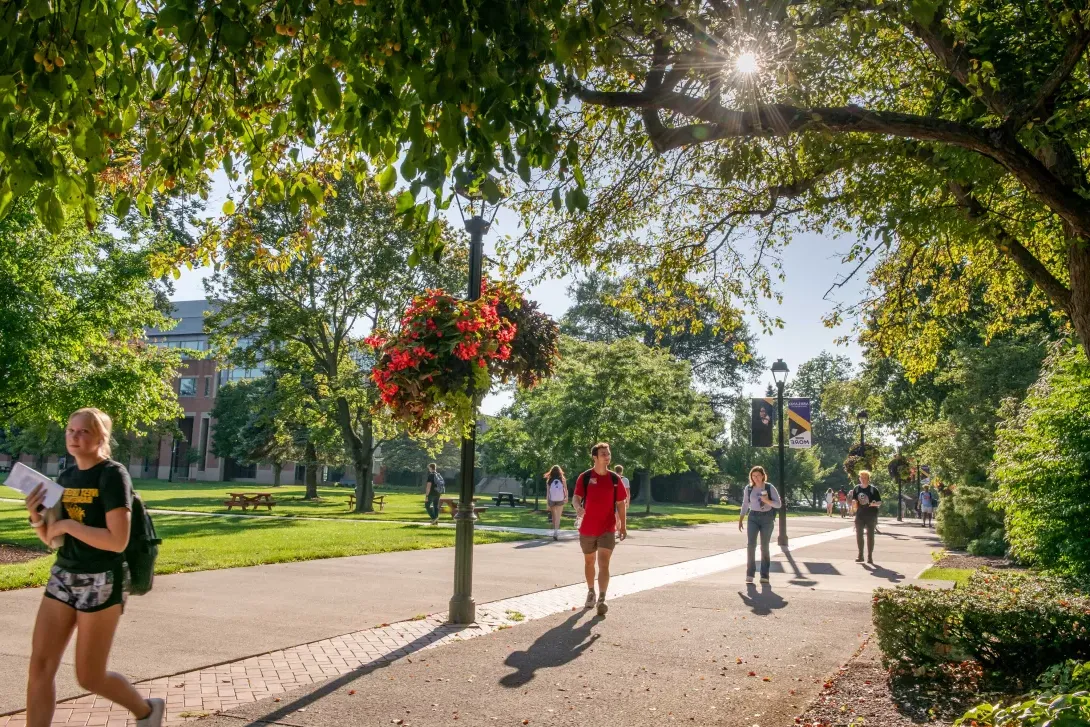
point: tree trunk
(311, 477)
(645, 482)
(277, 468)
(359, 448)
(1078, 266)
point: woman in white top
(829, 502)
(557, 495)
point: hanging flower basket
(447, 347)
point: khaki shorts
(591, 544)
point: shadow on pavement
(557, 646)
(879, 572)
(763, 602)
(799, 578)
(534, 543)
(331, 686)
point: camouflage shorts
(88, 592)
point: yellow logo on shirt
(74, 497)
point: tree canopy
(639, 399)
(301, 290)
(73, 310)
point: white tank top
(556, 491)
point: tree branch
(1072, 55)
(1012, 248)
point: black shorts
(89, 592)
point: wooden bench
(246, 500)
(451, 505)
(502, 497)
(379, 500)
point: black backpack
(438, 484)
(585, 477)
(143, 547)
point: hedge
(1061, 699)
(1014, 624)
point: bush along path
(1004, 649)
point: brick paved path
(196, 694)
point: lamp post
(861, 417)
(462, 608)
(779, 374)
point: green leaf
(129, 118)
(414, 258)
(387, 178)
(556, 199)
(233, 35)
(229, 207)
(524, 169)
(122, 205)
(924, 11)
(37, 9)
(326, 87)
(6, 198)
(491, 190)
(405, 202)
(578, 172)
(50, 210)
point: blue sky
(810, 263)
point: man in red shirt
(602, 499)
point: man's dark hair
(595, 448)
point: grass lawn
(193, 543)
(960, 576)
(400, 505)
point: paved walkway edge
(218, 688)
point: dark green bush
(1042, 466)
(992, 543)
(1061, 700)
(965, 515)
(1014, 624)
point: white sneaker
(155, 719)
(749, 579)
(590, 599)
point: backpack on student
(143, 548)
(585, 477)
(438, 484)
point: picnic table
(502, 497)
(246, 500)
(379, 500)
(450, 504)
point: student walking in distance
(557, 495)
(829, 500)
(433, 488)
(926, 505)
(89, 583)
(619, 469)
(866, 499)
(760, 500)
(842, 498)
(600, 495)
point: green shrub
(965, 515)
(1015, 624)
(1042, 466)
(992, 543)
(1062, 700)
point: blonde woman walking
(89, 582)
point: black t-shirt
(88, 496)
(438, 485)
(863, 497)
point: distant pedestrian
(557, 496)
(619, 469)
(926, 505)
(830, 499)
(842, 499)
(90, 581)
(760, 500)
(599, 494)
(433, 488)
(866, 500)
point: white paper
(24, 479)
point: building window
(208, 386)
(187, 386)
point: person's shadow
(556, 647)
(762, 602)
(879, 572)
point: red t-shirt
(599, 501)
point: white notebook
(24, 479)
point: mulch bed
(15, 554)
(964, 560)
(863, 693)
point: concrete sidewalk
(707, 651)
(194, 620)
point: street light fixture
(862, 417)
(462, 608)
(779, 375)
